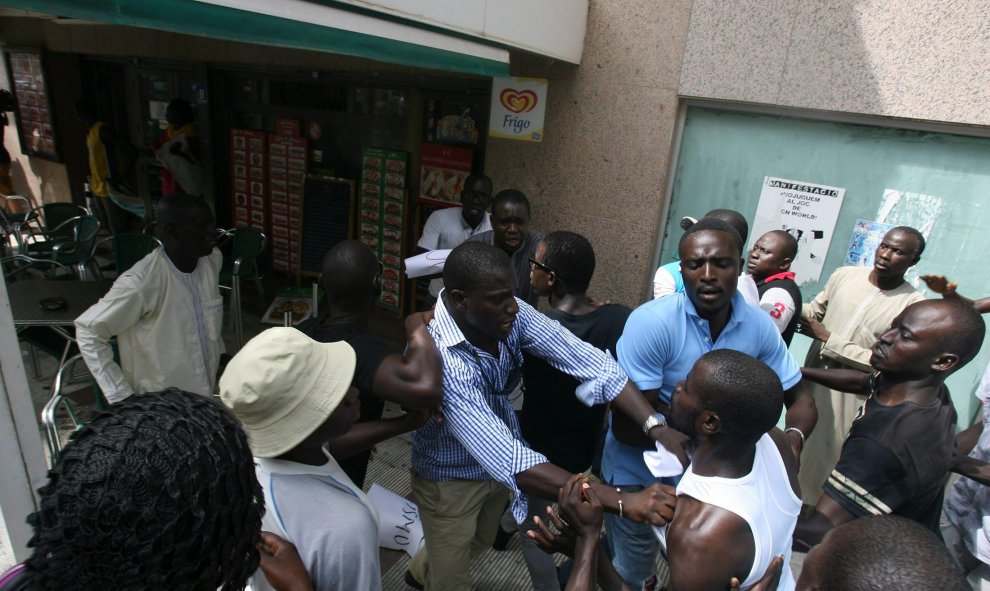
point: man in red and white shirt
(769, 264)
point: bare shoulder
(707, 545)
(790, 462)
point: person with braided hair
(159, 492)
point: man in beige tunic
(846, 319)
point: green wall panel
(725, 155)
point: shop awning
(293, 23)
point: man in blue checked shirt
(467, 464)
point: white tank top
(763, 498)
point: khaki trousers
(460, 519)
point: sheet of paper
(399, 527)
(662, 463)
(427, 263)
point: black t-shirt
(369, 352)
(554, 422)
(896, 460)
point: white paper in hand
(428, 263)
(662, 463)
(399, 527)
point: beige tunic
(856, 312)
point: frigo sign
(517, 109)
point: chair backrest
(56, 214)
(87, 227)
(15, 207)
(248, 244)
(131, 247)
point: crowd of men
(656, 424)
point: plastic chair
(129, 248)
(242, 258)
(40, 224)
(71, 243)
(49, 413)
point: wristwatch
(654, 420)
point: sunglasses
(541, 266)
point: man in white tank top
(738, 502)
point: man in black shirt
(553, 421)
(769, 263)
(510, 232)
(897, 455)
(352, 280)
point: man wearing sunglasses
(447, 228)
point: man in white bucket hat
(294, 394)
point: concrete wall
(913, 60)
(602, 166)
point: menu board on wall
(247, 168)
(34, 110)
(287, 170)
(382, 216)
(443, 170)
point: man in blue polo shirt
(661, 342)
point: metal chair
(14, 211)
(242, 258)
(129, 248)
(64, 377)
(40, 224)
(71, 243)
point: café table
(25, 297)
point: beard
(684, 424)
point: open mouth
(507, 325)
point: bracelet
(798, 431)
(618, 491)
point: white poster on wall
(805, 210)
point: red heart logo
(518, 101)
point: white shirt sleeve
(430, 240)
(117, 311)
(747, 287)
(777, 302)
(663, 284)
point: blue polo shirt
(661, 343)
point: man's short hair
(918, 237)
(966, 338)
(174, 208)
(159, 492)
(572, 258)
(790, 243)
(744, 392)
(733, 218)
(478, 178)
(888, 552)
(349, 270)
(713, 224)
(476, 265)
(510, 196)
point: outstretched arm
(653, 505)
(939, 284)
(364, 436)
(844, 380)
(811, 530)
(971, 468)
(412, 379)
